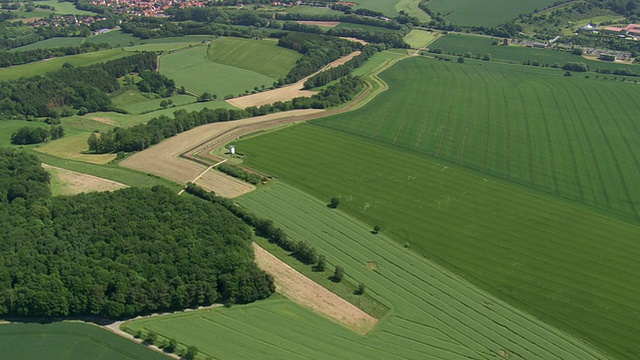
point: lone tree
(377, 228)
(191, 353)
(338, 274)
(152, 337)
(335, 202)
(173, 345)
(321, 264)
(360, 290)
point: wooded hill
(116, 254)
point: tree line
(24, 57)
(240, 173)
(141, 136)
(345, 69)
(69, 89)
(116, 254)
(33, 135)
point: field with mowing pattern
(566, 265)
(45, 66)
(461, 44)
(68, 341)
(418, 38)
(192, 69)
(485, 12)
(434, 314)
(262, 56)
(568, 136)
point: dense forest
(116, 254)
(70, 89)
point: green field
(419, 38)
(45, 66)
(435, 314)
(387, 7)
(8, 127)
(63, 8)
(68, 341)
(545, 256)
(485, 12)
(412, 9)
(51, 43)
(115, 38)
(461, 44)
(162, 47)
(568, 136)
(364, 27)
(192, 69)
(262, 56)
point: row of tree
(116, 254)
(23, 57)
(240, 173)
(34, 135)
(345, 69)
(141, 136)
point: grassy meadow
(262, 56)
(418, 38)
(192, 69)
(63, 8)
(571, 137)
(45, 66)
(545, 256)
(461, 44)
(72, 341)
(485, 12)
(429, 305)
(412, 9)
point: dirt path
(288, 92)
(299, 288)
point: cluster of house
(147, 7)
(66, 20)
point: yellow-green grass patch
(412, 9)
(73, 147)
(418, 38)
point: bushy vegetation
(241, 174)
(116, 254)
(337, 72)
(34, 135)
(70, 87)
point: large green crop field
(45, 66)
(192, 69)
(461, 44)
(485, 12)
(435, 314)
(568, 136)
(262, 56)
(51, 43)
(565, 264)
(68, 341)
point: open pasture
(192, 69)
(68, 182)
(262, 56)
(461, 44)
(434, 313)
(412, 9)
(73, 147)
(387, 7)
(485, 12)
(571, 137)
(547, 257)
(418, 38)
(44, 66)
(63, 8)
(68, 341)
(51, 43)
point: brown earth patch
(164, 159)
(285, 93)
(319, 23)
(372, 265)
(104, 120)
(223, 184)
(363, 42)
(306, 292)
(75, 183)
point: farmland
(461, 44)
(435, 314)
(261, 56)
(418, 38)
(523, 124)
(192, 69)
(64, 8)
(543, 255)
(484, 13)
(51, 43)
(67, 182)
(67, 341)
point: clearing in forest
(67, 182)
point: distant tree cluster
(240, 173)
(34, 135)
(69, 87)
(116, 254)
(153, 82)
(575, 66)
